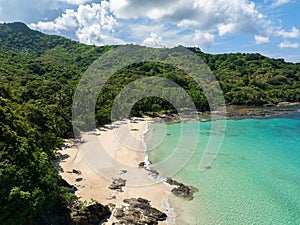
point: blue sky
(270, 27)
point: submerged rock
(185, 192)
(182, 191)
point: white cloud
(235, 16)
(203, 39)
(277, 3)
(287, 44)
(294, 33)
(66, 21)
(186, 22)
(155, 41)
(152, 9)
(93, 24)
(261, 39)
(171, 37)
(226, 28)
(75, 2)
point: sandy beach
(112, 152)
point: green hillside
(38, 77)
(253, 79)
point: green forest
(39, 75)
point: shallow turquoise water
(255, 178)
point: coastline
(91, 185)
(90, 182)
(235, 112)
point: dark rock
(172, 182)
(138, 211)
(119, 213)
(78, 172)
(91, 214)
(186, 192)
(123, 172)
(78, 179)
(182, 191)
(111, 197)
(152, 171)
(73, 189)
(118, 184)
(136, 201)
(63, 182)
(99, 210)
(141, 165)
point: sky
(269, 27)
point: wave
(145, 130)
(171, 213)
(154, 176)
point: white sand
(103, 156)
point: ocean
(254, 179)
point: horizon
(270, 28)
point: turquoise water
(255, 178)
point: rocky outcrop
(270, 109)
(90, 214)
(181, 190)
(118, 184)
(288, 103)
(138, 211)
(185, 192)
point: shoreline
(145, 130)
(91, 184)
